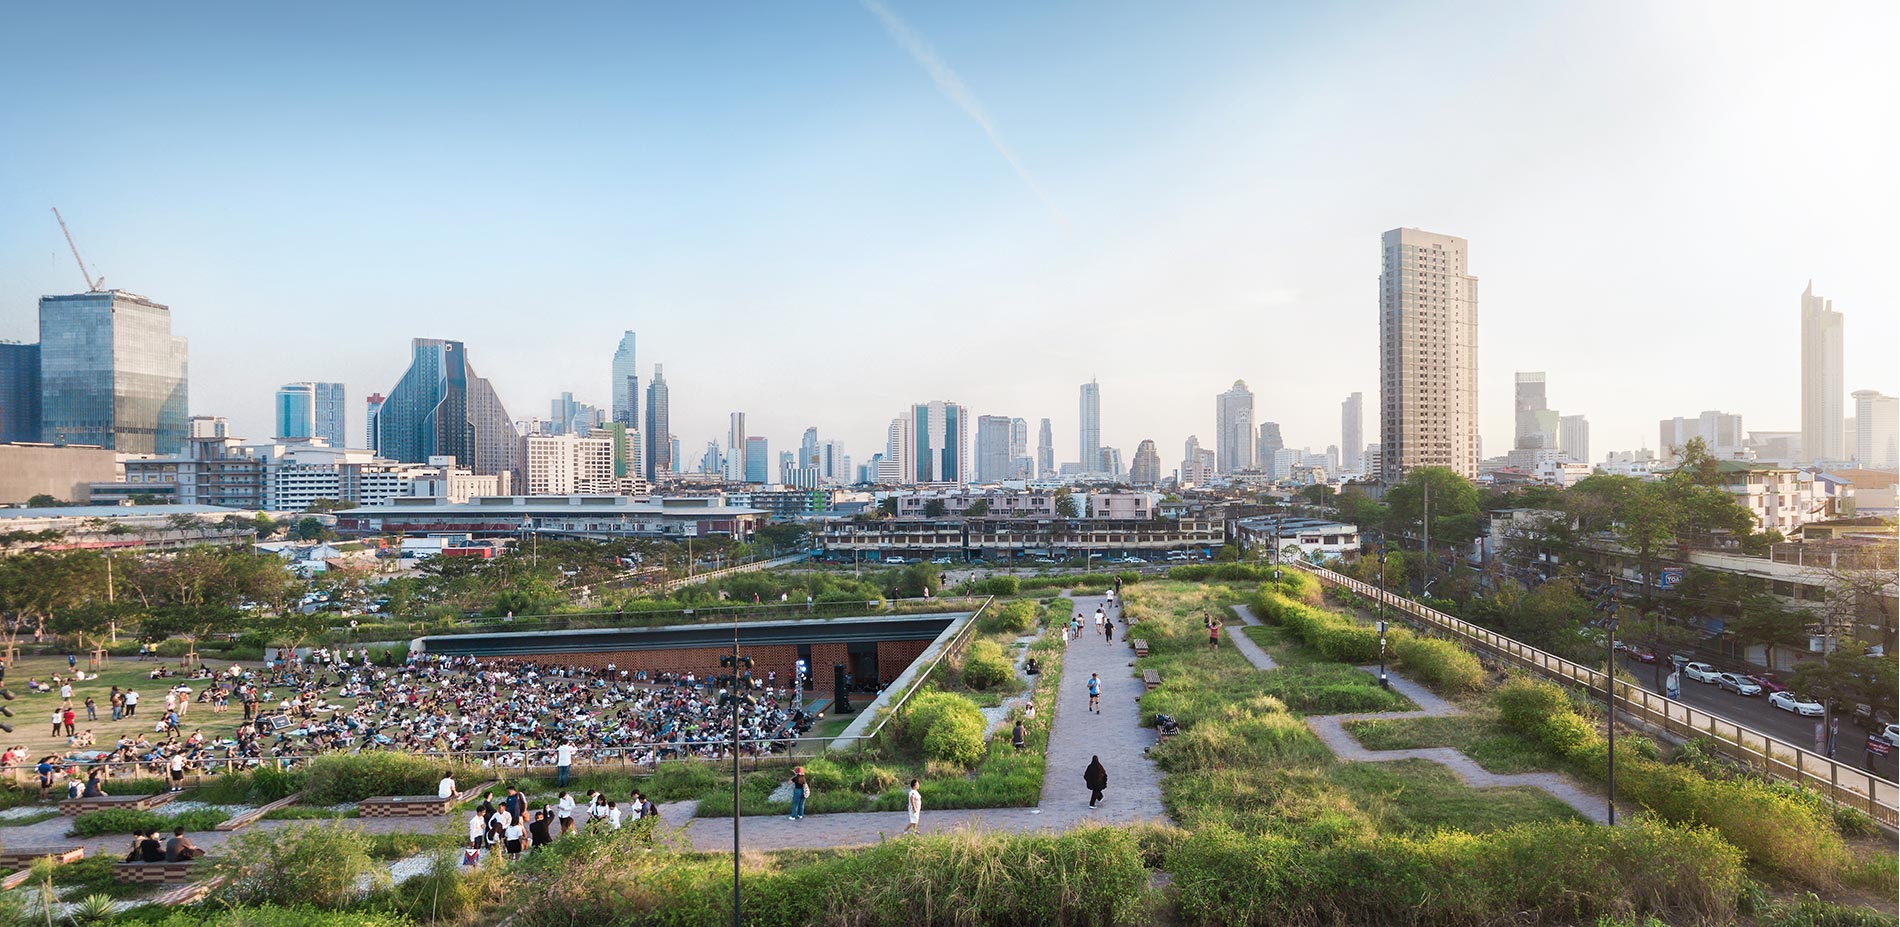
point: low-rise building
(1012, 538)
(572, 516)
(1307, 538)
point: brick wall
(894, 656)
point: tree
(1764, 620)
(42, 501)
(326, 506)
(1317, 494)
(1844, 682)
(1065, 504)
(934, 508)
(887, 506)
(310, 528)
(979, 507)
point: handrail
(1843, 784)
(953, 646)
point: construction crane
(92, 286)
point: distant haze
(818, 213)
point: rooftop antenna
(92, 286)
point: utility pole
(1427, 550)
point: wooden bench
(247, 818)
(1150, 679)
(187, 894)
(21, 857)
(405, 806)
(73, 806)
(1141, 647)
(153, 873)
(474, 792)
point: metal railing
(1843, 784)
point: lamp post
(741, 674)
(1383, 682)
(1609, 695)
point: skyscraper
(1045, 451)
(373, 407)
(939, 442)
(19, 392)
(992, 448)
(625, 385)
(441, 407)
(735, 463)
(758, 460)
(808, 448)
(895, 467)
(1021, 465)
(658, 433)
(1823, 389)
(329, 416)
(296, 410)
(1573, 438)
(1428, 355)
(1876, 429)
(1352, 433)
(1268, 444)
(1233, 429)
(112, 373)
(1091, 425)
(1536, 421)
(1146, 470)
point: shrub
(875, 779)
(260, 786)
(336, 778)
(114, 822)
(947, 727)
(1014, 618)
(1335, 636)
(1440, 664)
(999, 585)
(275, 916)
(986, 666)
(1525, 703)
(319, 864)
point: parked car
(943, 561)
(1700, 672)
(1768, 682)
(895, 560)
(1737, 683)
(1640, 654)
(1788, 701)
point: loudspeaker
(841, 700)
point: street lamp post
(1609, 695)
(1383, 682)
(741, 674)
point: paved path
(1331, 730)
(1245, 644)
(53, 832)
(1134, 785)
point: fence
(1841, 783)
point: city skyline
(397, 241)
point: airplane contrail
(952, 86)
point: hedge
(946, 726)
(1335, 636)
(1440, 664)
(334, 778)
(986, 666)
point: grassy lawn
(1480, 736)
(1245, 759)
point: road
(1752, 711)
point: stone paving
(1245, 644)
(1134, 785)
(1331, 731)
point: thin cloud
(952, 87)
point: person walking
(914, 802)
(1108, 631)
(563, 764)
(1213, 634)
(1095, 693)
(1096, 778)
(564, 812)
(800, 786)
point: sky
(818, 213)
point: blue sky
(801, 223)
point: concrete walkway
(1331, 730)
(1134, 785)
(1245, 644)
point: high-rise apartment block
(372, 410)
(329, 418)
(1721, 431)
(441, 407)
(1428, 355)
(564, 464)
(19, 393)
(1573, 438)
(1091, 443)
(940, 443)
(1876, 429)
(1536, 421)
(1233, 429)
(1823, 388)
(112, 373)
(1268, 444)
(1352, 433)
(1146, 469)
(625, 385)
(735, 467)
(1021, 465)
(662, 449)
(992, 448)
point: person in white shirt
(446, 788)
(563, 764)
(613, 815)
(564, 810)
(511, 839)
(477, 830)
(914, 803)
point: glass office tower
(112, 373)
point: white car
(1701, 672)
(1788, 701)
(1738, 684)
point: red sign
(1878, 746)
